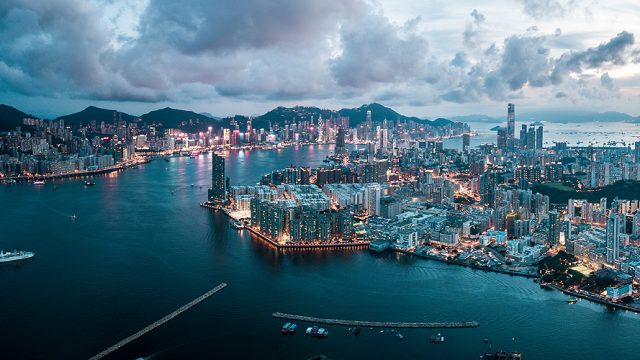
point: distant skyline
(423, 58)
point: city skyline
(437, 61)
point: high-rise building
(466, 141)
(637, 151)
(340, 148)
(218, 191)
(613, 238)
(531, 137)
(511, 125)
(368, 125)
(502, 139)
(523, 137)
(555, 228)
(539, 142)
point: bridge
(179, 311)
(385, 324)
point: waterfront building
(218, 191)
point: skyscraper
(340, 148)
(466, 141)
(218, 191)
(511, 126)
(612, 237)
(554, 228)
(523, 137)
(502, 138)
(539, 142)
(531, 137)
(368, 126)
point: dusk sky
(423, 58)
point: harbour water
(140, 247)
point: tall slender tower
(612, 237)
(218, 191)
(511, 126)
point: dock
(179, 311)
(385, 324)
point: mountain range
(191, 121)
(11, 117)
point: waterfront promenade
(385, 324)
(140, 333)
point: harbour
(177, 248)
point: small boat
(293, 328)
(54, 187)
(399, 336)
(39, 182)
(89, 183)
(572, 300)
(486, 341)
(285, 328)
(166, 159)
(14, 255)
(239, 225)
(357, 330)
(437, 339)
(315, 331)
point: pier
(385, 324)
(179, 311)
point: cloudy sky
(422, 57)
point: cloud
(542, 9)
(473, 30)
(376, 51)
(607, 82)
(612, 52)
(287, 50)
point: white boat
(14, 255)
(39, 182)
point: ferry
(239, 225)
(437, 339)
(89, 183)
(14, 255)
(315, 331)
(357, 330)
(39, 182)
(285, 328)
(9, 181)
(572, 300)
(293, 328)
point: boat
(14, 255)
(285, 328)
(9, 181)
(357, 330)
(315, 331)
(166, 159)
(89, 183)
(293, 328)
(54, 187)
(39, 182)
(239, 225)
(572, 300)
(501, 355)
(437, 339)
(399, 336)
